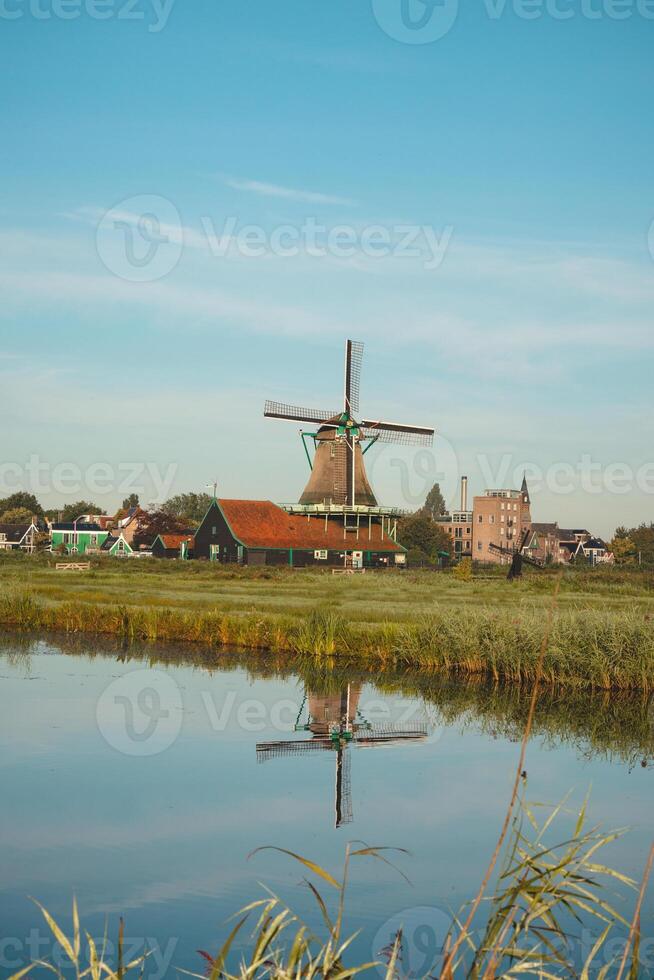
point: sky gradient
(517, 152)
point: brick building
(500, 517)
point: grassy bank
(589, 648)
(602, 636)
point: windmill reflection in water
(336, 723)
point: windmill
(335, 724)
(338, 474)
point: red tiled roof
(261, 524)
(174, 540)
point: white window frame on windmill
(214, 552)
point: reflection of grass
(611, 724)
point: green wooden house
(117, 546)
(77, 538)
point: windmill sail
(338, 473)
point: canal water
(140, 780)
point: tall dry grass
(589, 648)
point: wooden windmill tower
(335, 724)
(338, 474)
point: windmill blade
(353, 358)
(277, 410)
(406, 435)
(343, 789)
(274, 750)
(388, 735)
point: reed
(588, 648)
(544, 893)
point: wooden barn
(257, 532)
(173, 546)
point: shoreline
(588, 648)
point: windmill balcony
(366, 511)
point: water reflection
(163, 839)
(336, 722)
(614, 725)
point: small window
(320, 555)
(491, 519)
(214, 531)
(479, 546)
(480, 518)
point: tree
(131, 501)
(623, 548)
(72, 511)
(17, 515)
(423, 537)
(188, 507)
(154, 523)
(24, 500)
(643, 539)
(435, 503)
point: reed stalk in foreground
(543, 891)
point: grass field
(603, 632)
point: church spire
(524, 489)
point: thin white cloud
(288, 193)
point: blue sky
(524, 146)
